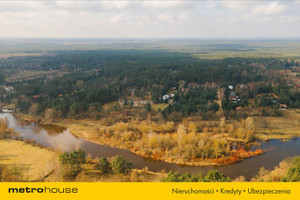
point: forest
(87, 80)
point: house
(128, 113)
(134, 103)
(138, 103)
(8, 88)
(122, 102)
(233, 96)
(242, 86)
(60, 95)
(132, 91)
(296, 88)
(283, 106)
(7, 110)
(36, 96)
(239, 108)
(230, 87)
(166, 97)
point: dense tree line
(95, 77)
(194, 100)
(292, 99)
(211, 176)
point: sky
(150, 19)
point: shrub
(293, 174)
(119, 166)
(103, 165)
(72, 161)
(215, 176)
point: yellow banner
(144, 191)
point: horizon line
(141, 38)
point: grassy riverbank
(284, 127)
(25, 162)
(22, 161)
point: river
(60, 138)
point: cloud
(149, 18)
(183, 16)
(238, 5)
(113, 5)
(271, 9)
(166, 17)
(21, 6)
(93, 6)
(118, 18)
(168, 4)
(289, 20)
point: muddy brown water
(61, 138)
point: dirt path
(220, 99)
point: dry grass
(110, 105)
(160, 106)
(286, 126)
(33, 163)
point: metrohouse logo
(42, 190)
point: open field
(286, 126)
(246, 54)
(24, 162)
(9, 55)
(160, 106)
(31, 163)
(30, 75)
